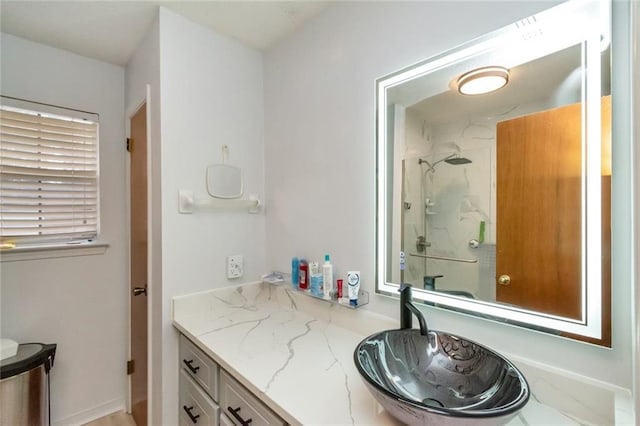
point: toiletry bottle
(315, 279)
(295, 271)
(353, 281)
(303, 275)
(344, 299)
(327, 277)
(340, 289)
(315, 286)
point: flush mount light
(483, 80)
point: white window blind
(48, 177)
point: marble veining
(296, 353)
(291, 354)
(346, 377)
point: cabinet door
(196, 407)
(242, 407)
(199, 366)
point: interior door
(138, 261)
(539, 167)
(538, 255)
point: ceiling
(561, 83)
(111, 30)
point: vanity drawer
(242, 407)
(196, 407)
(199, 366)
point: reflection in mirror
(485, 195)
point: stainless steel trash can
(24, 385)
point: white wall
(211, 95)
(320, 156)
(77, 302)
(208, 91)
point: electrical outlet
(235, 266)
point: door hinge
(129, 145)
(131, 367)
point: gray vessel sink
(439, 378)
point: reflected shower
(453, 159)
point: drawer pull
(234, 413)
(193, 369)
(193, 418)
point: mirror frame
(584, 16)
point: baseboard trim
(92, 414)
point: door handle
(235, 413)
(193, 418)
(504, 279)
(193, 369)
(137, 291)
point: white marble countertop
(296, 353)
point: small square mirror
(224, 181)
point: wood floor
(116, 419)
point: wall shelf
(282, 279)
(187, 203)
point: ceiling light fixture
(483, 80)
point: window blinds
(48, 177)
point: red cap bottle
(303, 277)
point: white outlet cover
(235, 266)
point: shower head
(453, 159)
(457, 160)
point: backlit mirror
(498, 204)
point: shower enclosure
(446, 222)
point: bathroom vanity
(275, 356)
(285, 353)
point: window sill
(52, 251)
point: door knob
(504, 279)
(137, 291)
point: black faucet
(407, 308)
